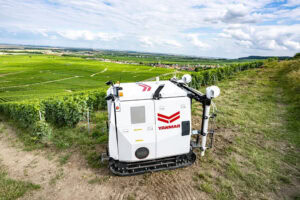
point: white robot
(149, 125)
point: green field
(38, 76)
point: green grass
(288, 78)
(26, 76)
(258, 119)
(13, 189)
(206, 187)
(79, 137)
(64, 158)
(131, 197)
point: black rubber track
(134, 168)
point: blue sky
(215, 28)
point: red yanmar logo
(145, 87)
(168, 127)
(168, 119)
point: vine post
(88, 119)
(40, 114)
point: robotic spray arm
(206, 100)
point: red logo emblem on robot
(145, 87)
(168, 119)
(168, 127)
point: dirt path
(2, 75)
(99, 72)
(162, 75)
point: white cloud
(270, 44)
(266, 37)
(171, 43)
(238, 13)
(292, 44)
(148, 41)
(245, 43)
(88, 35)
(238, 34)
(53, 37)
(293, 3)
(43, 32)
(194, 39)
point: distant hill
(111, 54)
(264, 57)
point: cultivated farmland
(37, 76)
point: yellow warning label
(139, 140)
(137, 129)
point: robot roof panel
(146, 90)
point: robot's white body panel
(170, 114)
(112, 139)
(144, 122)
(135, 134)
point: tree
(297, 56)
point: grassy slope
(20, 70)
(289, 81)
(257, 151)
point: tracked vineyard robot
(150, 125)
